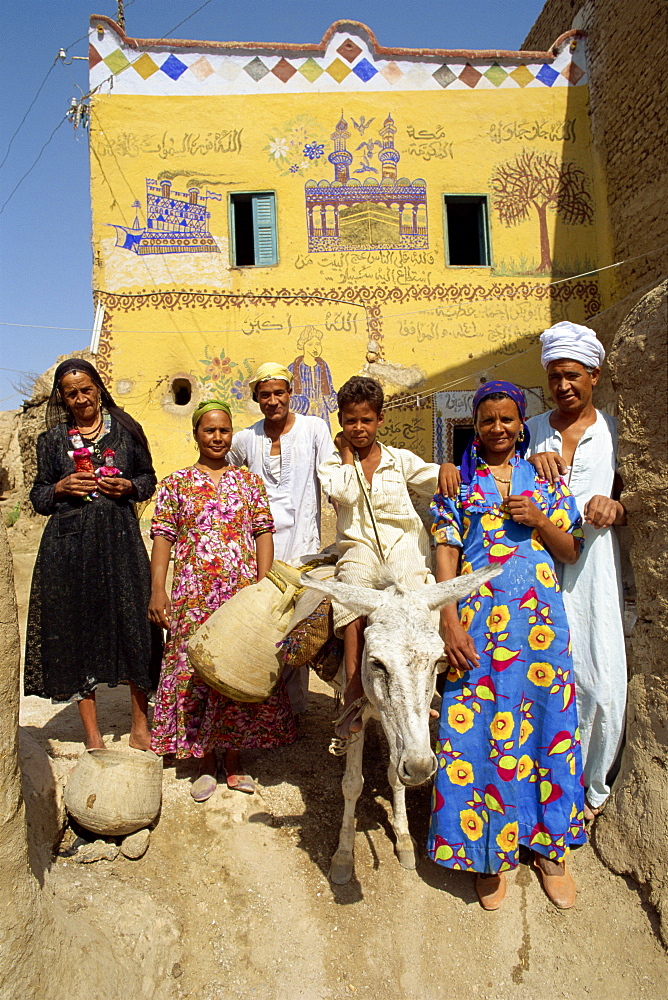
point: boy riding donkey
(377, 525)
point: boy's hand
(342, 444)
(449, 480)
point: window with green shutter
(253, 229)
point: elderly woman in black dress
(91, 583)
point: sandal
(241, 783)
(203, 788)
(352, 713)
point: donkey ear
(438, 594)
(359, 599)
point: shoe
(350, 716)
(241, 783)
(203, 788)
(491, 890)
(557, 881)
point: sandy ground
(232, 899)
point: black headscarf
(57, 412)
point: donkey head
(402, 652)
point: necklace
(91, 435)
(497, 479)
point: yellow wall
(193, 315)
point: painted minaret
(388, 155)
(340, 157)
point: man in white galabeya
(285, 450)
(580, 442)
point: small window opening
(182, 391)
(253, 224)
(461, 435)
(467, 230)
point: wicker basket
(236, 650)
(115, 792)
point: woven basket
(115, 792)
(235, 650)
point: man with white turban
(285, 450)
(580, 442)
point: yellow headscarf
(270, 369)
(209, 404)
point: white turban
(568, 340)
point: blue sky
(45, 251)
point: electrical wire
(31, 167)
(156, 41)
(30, 106)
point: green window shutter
(264, 229)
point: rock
(632, 834)
(99, 850)
(136, 844)
(43, 797)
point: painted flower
(460, 772)
(466, 616)
(314, 150)
(524, 766)
(460, 718)
(540, 637)
(526, 730)
(545, 575)
(219, 366)
(502, 725)
(498, 618)
(541, 674)
(278, 148)
(471, 824)
(294, 169)
(507, 839)
(237, 389)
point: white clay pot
(114, 792)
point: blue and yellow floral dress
(509, 765)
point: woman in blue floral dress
(510, 771)
(218, 519)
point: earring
(520, 436)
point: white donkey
(402, 653)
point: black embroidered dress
(87, 619)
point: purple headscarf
(470, 459)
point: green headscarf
(209, 404)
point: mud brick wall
(628, 62)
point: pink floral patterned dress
(213, 529)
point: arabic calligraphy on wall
(167, 145)
(529, 131)
(429, 145)
(391, 267)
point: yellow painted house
(341, 208)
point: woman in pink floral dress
(217, 517)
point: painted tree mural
(540, 181)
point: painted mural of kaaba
(381, 212)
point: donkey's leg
(341, 869)
(405, 847)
